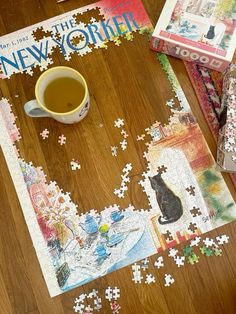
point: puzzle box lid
(205, 26)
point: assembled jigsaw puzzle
(187, 196)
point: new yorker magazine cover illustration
(186, 195)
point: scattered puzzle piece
(75, 165)
(144, 263)
(206, 251)
(159, 262)
(92, 294)
(141, 137)
(88, 309)
(123, 144)
(173, 252)
(79, 303)
(187, 250)
(195, 241)
(137, 278)
(217, 251)
(123, 187)
(222, 239)
(150, 279)
(179, 260)
(97, 303)
(109, 295)
(116, 293)
(114, 150)
(78, 308)
(136, 267)
(193, 259)
(81, 298)
(119, 123)
(124, 133)
(44, 134)
(169, 280)
(127, 168)
(115, 307)
(125, 179)
(62, 140)
(209, 242)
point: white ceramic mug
(36, 108)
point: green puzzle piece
(187, 250)
(193, 259)
(217, 252)
(206, 251)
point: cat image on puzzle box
(170, 204)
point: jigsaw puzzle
(74, 248)
(97, 243)
(76, 32)
(184, 170)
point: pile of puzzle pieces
(112, 295)
(209, 247)
(125, 180)
(119, 123)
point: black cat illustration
(170, 204)
(211, 32)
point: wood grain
(125, 81)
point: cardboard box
(202, 31)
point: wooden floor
(209, 286)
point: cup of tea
(62, 94)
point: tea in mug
(63, 95)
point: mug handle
(32, 109)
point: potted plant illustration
(223, 9)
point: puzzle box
(202, 31)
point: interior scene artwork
(208, 22)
